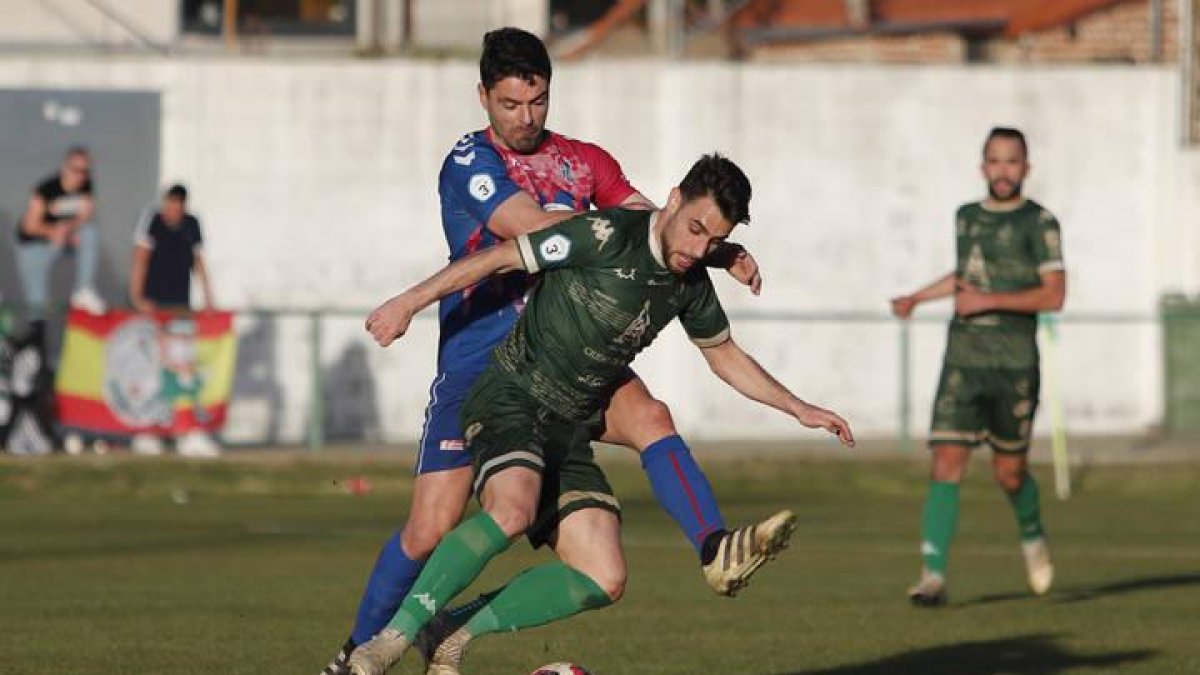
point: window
(272, 17)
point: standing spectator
(57, 221)
(167, 250)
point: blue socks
(389, 582)
(682, 489)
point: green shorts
(992, 405)
(504, 427)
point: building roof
(797, 20)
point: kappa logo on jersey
(451, 445)
(626, 274)
(427, 602)
(555, 248)
(481, 187)
(465, 160)
(603, 230)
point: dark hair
(177, 191)
(512, 52)
(721, 179)
(1009, 133)
(77, 151)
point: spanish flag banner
(124, 373)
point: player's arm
(391, 319)
(521, 214)
(137, 279)
(87, 208)
(200, 268)
(740, 371)
(942, 287)
(34, 223)
(1048, 297)
(638, 202)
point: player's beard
(1011, 196)
(527, 142)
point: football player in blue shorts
(509, 179)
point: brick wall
(927, 48)
(1118, 34)
(1121, 33)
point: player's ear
(482, 95)
(674, 200)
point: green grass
(255, 564)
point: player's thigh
(442, 446)
(505, 435)
(573, 483)
(438, 502)
(1014, 399)
(634, 418)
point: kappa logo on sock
(927, 548)
(427, 602)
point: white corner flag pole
(1058, 431)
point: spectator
(57, 221)
(167, 250)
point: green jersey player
(1009, 268)
(609, 282)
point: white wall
(317, 185)
(72, 22)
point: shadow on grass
(1022, 655)
(1085, 593)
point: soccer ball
(561, 669)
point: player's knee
(948, 471)
(651, 422)
(610, 580)
(512, 519)
(1009, 480)
(421, 537)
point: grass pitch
(254, 564)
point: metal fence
(316, 325)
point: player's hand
(969, 300)
(815, 417)
(736, 260)
(390, 320)
(59, 235)
(144, 306)
(903, 306)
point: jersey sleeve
(475, 174)
(47, 189)
(575, 242)
(1047, 243)
(702, 317)
(611, 187)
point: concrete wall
(71, 22)
(316, 182)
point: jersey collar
(655, 242)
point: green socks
(458, 559)
(537, 596)
(938, 523)
(1026, 505)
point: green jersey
(1001, 251)
(603, 295)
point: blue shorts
(441, 447)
